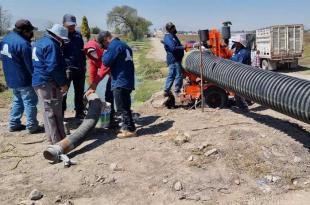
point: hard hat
(59, 31)
(240, 39)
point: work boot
(17, 128)
(167, 93)
(126, 134)
(38, 130)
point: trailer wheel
(216, 98)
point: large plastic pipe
(53, 152)
(285, 94)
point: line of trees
(122, 19)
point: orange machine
(214, 95)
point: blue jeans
(24, 99)
(175, 74)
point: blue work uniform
(15, 53)
(175, 54)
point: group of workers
(175, 54)
(45, 69)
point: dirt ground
(180, 157)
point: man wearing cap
(49, 79)
(118, 57)
(75, 64)
(15, 53)
(241, 55)
(175, 53)
(97, 72)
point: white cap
(59, 31)
(240, 39)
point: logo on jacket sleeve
(34, 54)
(128, 56)
(5, 51)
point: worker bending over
(175, 53)
(49, 80)
(119, 58)
(97, 72)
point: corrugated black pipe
(285, 94)
(53, 152)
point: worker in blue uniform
(119, 58)
(15, 53)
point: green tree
(85, 28)
(95, 30)
(126, 19)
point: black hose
(53, 152)
(285, 94)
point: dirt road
(180, 157)
(157, 52)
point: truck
(280, 46)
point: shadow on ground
(291, 129)
(293, 70)
(101, 136)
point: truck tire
(216, 97)
(269, 64)
(294, 64)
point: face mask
(31, 35)
(175, 32)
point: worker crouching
(49, 80)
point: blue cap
(69, 20)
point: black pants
(77, 76)
(123, 106)
(109, 98)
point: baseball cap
(69, 20)
(169, 26)
(102, 35)
(24, 25)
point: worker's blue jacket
(48, 62)
(242, 55)
(174, 49)
(74, 51)
(119, 58)
(15, 53)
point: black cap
(169, 26)
(24, 25)
(102, 35)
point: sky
(188, 15)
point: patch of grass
(149, 72)
(146, 89)
(184, 38)
(305, 60)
